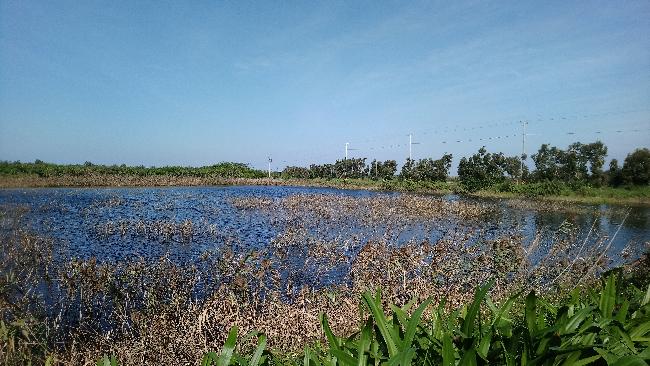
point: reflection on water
(123, 223)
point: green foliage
(636, 169)
(229, 356)
(295, 172)
(615, 174)
(483, 170)
(107, 361)
(41, 169)
(382, 170)
(609, 327)
(427, 169)
(545, 188)
(579, 163)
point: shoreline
(114, 181)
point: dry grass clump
(544, 205)
(382, 208)
(164, 230)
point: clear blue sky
(194, 83)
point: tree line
(577, 165)
(43, 169)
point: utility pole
(270, 160)
(347, 148)
(523, 149)
(411, 143)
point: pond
(117, 224)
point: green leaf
(484, 346)
(607, 356)
(261, 345)
(364, 343)
(228, 348)
(468, 324)
(640, 331)
(626, 339)
(390, 338)
(531, 314)
(104, 361)
(608, 297)
(413, 324)
(309, 357)
(585, 361)
(621, 315)
(646, 298)
(448, 354)
(574, 322)
(343, 358)
(331, 338)
(209, 359)
(630, 361)
(469, 358)
(403, 358)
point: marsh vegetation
(162, 275)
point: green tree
(382, 170)
(296, 172)
(636, 168)
(408, 169)
(614, 175)
(484, 169)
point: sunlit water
(77, 217)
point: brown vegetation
(159, 312)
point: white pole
(523, 149)
(346, 150)
(270, 160)
(410, 145)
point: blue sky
(194, 83)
